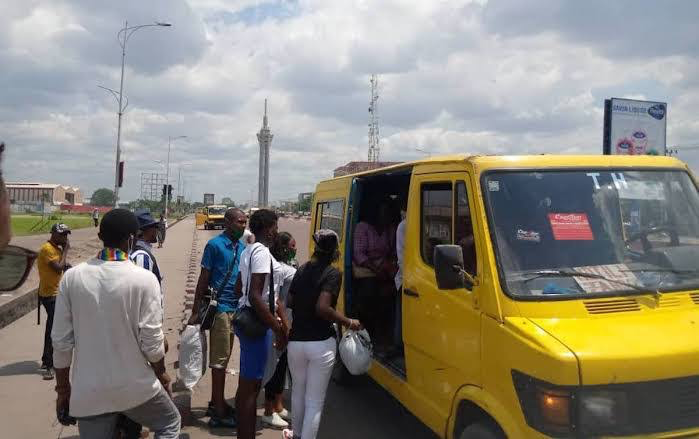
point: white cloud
(455, 76)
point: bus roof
(542, 161)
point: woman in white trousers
(311, 350)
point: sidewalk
(27, 402)
(14, 304)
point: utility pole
(374, 148)
(123, 36)
(167, 173)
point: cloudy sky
(498, 76)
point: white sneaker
(285, 415)
(274, 421)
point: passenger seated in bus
(374, 268)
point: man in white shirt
(109, 319)
(253, 285)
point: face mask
(237, 234)
(292, 253)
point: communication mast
(374, 150)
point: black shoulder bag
(246, 319)
(207, 309)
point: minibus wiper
(572, 273)
(663, 270)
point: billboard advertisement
(634, 127)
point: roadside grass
(23, 225)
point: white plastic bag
(355, 351)
(192, 357)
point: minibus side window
(463, 228)
(330, 215)
(435, 218)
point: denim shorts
(253, 355)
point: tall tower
(374, 121)
(264, 138)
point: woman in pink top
(374, 268)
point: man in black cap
(142, 255)
(108, 320)
(51, 264)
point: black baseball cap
(145, 219)
(60, 228)
(326, 240)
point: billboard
(634, 127)
(208, 199)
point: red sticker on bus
(570, 227)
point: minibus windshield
(217, 210)
(593, 232)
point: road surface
(27, 402)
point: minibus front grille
(665, 405)
(611, 306)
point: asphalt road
(27, 402)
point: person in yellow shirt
(51, 263)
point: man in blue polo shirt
(221, 254)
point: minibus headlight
(547, 408)
(602, 410)
(562, 410)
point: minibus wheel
(481, 430)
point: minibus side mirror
(449, 268)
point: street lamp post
(123, 37)
(167, 173)
(180, 186)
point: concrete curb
(25, 303)
(18, 307)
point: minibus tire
(481, 430)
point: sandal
(287, 434)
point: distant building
(303, 196)
(42, 196)
(287, 205)
(355, 167)
(209, 199)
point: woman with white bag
(311, 351)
